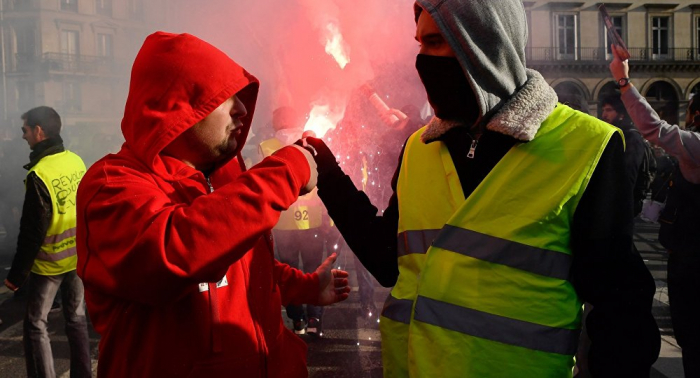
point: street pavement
(350, 346)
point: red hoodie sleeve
(136, 243)
(295, 286)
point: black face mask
(449, 92)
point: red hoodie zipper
(267, 235)
(214, 306)
(258, 331)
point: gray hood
(489, 38)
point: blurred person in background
(501, 171)
(680, 218)
(46, 252)
(299, 233)
(665, 166)
(614, 113)
(637, 162)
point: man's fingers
(341, 290)
(337, 273)
(342, 297)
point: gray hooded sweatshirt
(489, 39)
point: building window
(21, 4)
(660, 34)
(663, 99)
(104, 45)
(104, 7)
(72, 97)
(69, 43)
(618, 23)
(25, 40)
(25, 48)
(25, 96)
(69, 5)
(566, 34)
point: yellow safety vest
(484, 287)
(61, 173)
(304, 214)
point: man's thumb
(331, 259)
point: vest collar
(520, 116)
(43, 149)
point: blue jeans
(37, 346)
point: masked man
(509, 211)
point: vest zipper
(475, 142)
(472, 149)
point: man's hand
(313, 179)
(323, 155)
(10, 285)
(333, 283)
(619, 68)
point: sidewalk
(669, 364)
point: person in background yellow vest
(509, 211)
(46, 247)
(299, 235)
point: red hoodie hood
(176, 81)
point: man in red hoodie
(174, 243)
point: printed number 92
(301, 215)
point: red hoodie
(150, 233)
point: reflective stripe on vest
(415, 241)
(505, 252)
(496, 328)
(43, 256)
(409, 242)
(61, 174)
(494, 293)
(54, 239)
(398, 310)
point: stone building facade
(75, 56)
(569, 45)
